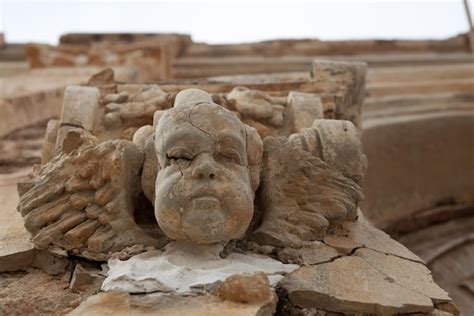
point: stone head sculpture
(200, 167)
(209, 165)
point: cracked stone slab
(360, 234)
(367, 281)
(183, 265)
(352, 285)
(411, 275)
(311, 253)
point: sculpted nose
(204, 171)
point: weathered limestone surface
(35, 96)
(352, 285)
(80, 106)
(148, 57)
(119, 303)
(209, 169)
(86, 279)
(296, 207)
(306, 108)
(433, 147)
(86, 205)
(371, 273)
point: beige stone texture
(85, 279)
(417, 162)
(448, 250)
(120, 303)
(14, 238)
(353, 285)
(49, 144)
(209, 167)
(296, 205)
(253, 288)
(412, 275)
(360, 234)
(305, 108)
(86, 205)
(310, 253)
(36, 293)
(17, 252)
(36, 96)
(80, 107)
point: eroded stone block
(80, 107)
(305, 108)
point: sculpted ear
(254, 155)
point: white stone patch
(183, 265)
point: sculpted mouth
(205, 192)
(206, 203)
(206, 197)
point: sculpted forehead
(207, 118)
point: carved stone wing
(84, 202)
(310, 183)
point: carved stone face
(203, 189)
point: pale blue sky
(232, 21)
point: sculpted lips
(206, 203)
(205, 191)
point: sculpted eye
(231, 155)
(179, 156)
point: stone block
(305, 107)
(80, 107)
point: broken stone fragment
(257, 105)
(20, 259)
(121, 97)
(112, 120)
(310, 253)
(149, 92)
(86, 279)
(252, 288)
(341, 147)
(70, 138)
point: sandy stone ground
(34, 292)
